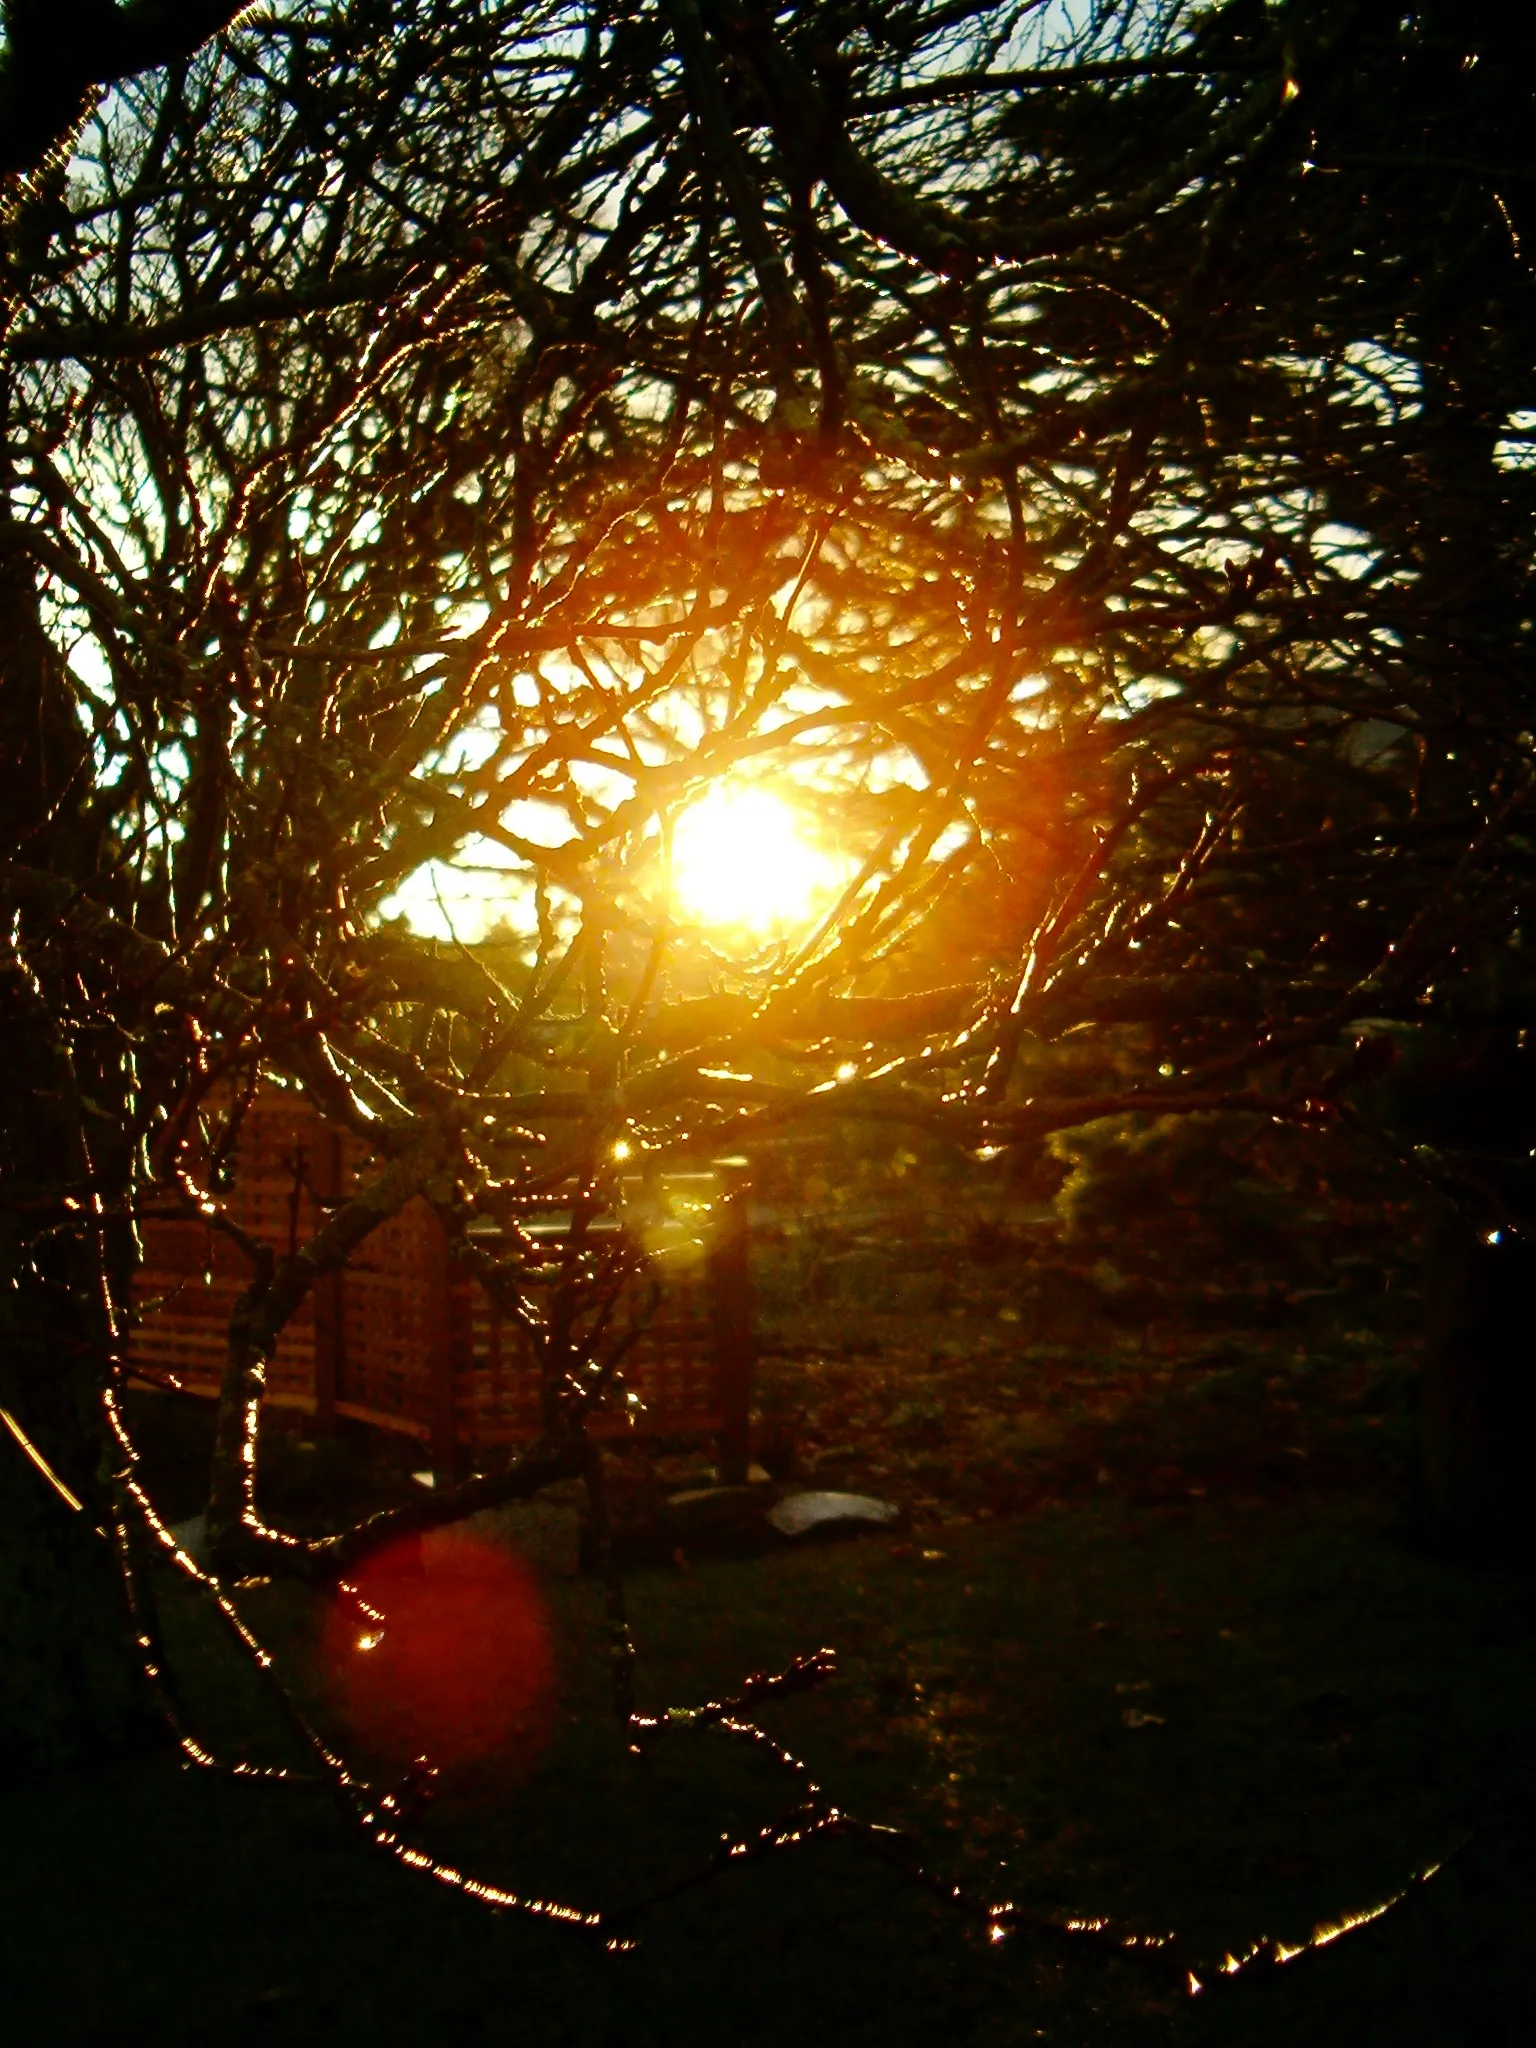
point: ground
(1163, 1637)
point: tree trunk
(71, 1680)
(70, 1684)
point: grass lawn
(1159, 1639)
(1224, 1720)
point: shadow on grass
(1228, 1722)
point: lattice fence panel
(671, 1365)
(401, 1339)
(498, 1393)
(192, 1276)
(393, 1299)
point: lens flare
(740, 857)
(458, 1665)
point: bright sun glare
(739, 857)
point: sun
(740, 857)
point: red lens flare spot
(451, 1660)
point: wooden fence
(405, 1340)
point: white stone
(798, 1513)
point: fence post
(440, 1348)
(330, 1319)
(730, 1305)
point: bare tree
(56, 61)
(446, 441)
